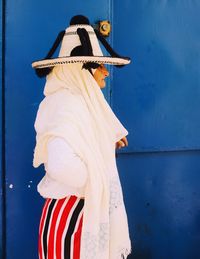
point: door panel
(31, 28)
(157, 97)
(2, 140)
(161, 193)
(160, 89)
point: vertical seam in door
(110, 18)
(3, 175)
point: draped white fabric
(75, 109)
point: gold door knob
(104, 28)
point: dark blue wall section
(158, 98)
(162, 86)
(161, 192)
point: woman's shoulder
(53, 108)
(63, 96)
(63, 103)
(60, 99)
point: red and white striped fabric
(60, 228)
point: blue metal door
(30, 29)
(157, 98)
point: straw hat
(80, 43)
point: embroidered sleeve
(63, 164)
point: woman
(77, 134)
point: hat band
(75, 32)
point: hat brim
(80, 59)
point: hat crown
(71, 40)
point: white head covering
(93, 70)
(74, 108)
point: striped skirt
(60, 228)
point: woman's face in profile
(100, 74)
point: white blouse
(66, 173)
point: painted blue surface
(157, 99)
(161, 193)
(31, 28)
(162, 88)
(1, 173)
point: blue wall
(158, 98)
(162, 196)
(1, 170)
(31, 28)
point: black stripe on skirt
(71, 228)
(47, 226)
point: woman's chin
(102, 83)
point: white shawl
(74, 108)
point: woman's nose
(105, 72)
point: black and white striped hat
(79, 44)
